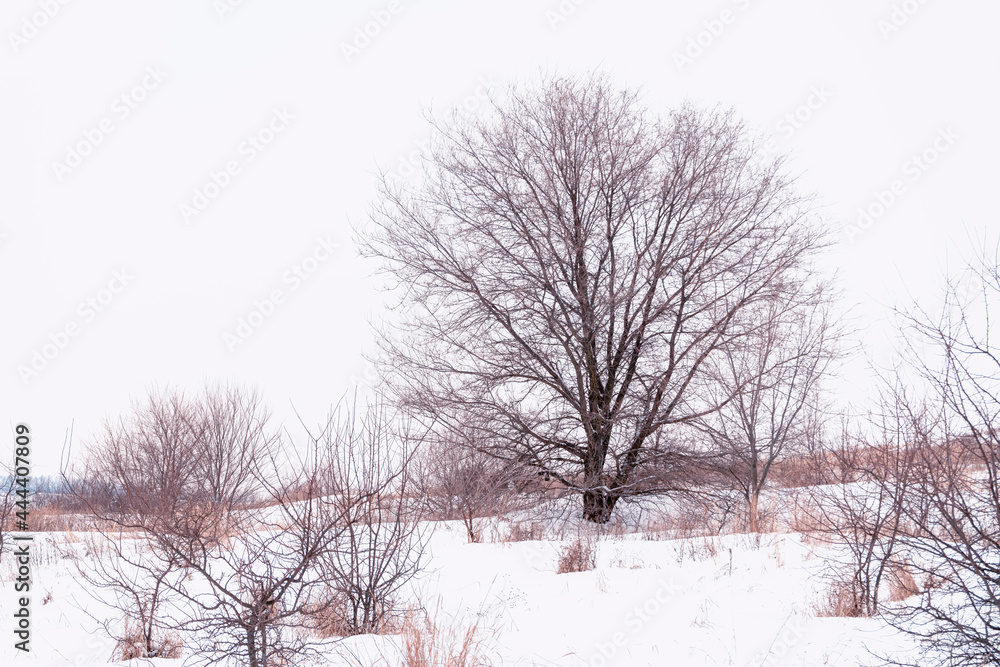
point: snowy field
(729, 600)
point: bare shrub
(379, 548)
(863, 519)
(458, 480)
(207, 521)
(133, 483)
(580, 555)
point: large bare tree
(569, 262)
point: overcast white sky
(155, 97)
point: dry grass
(805, 518)
(902, 585)
(686, 520)
(333, 619)
(132, 645)
(523, 531)
(840, 601)
(577, 556)
(430, 641)
(52, 519)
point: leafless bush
(195, 509)
(457, 480)
(863, 519)
(955, 536)
(379, 549)
(134, 482)
(950, 512)
(122, 564)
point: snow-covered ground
(736, 600)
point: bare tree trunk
(754, 513)
(598, 504)
(252, 646)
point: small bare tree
(768, 390)
(326, 540)
(194, 528)
(135, 480)
(379, 548)
(120, 562)
(460, 481)
(864, 515)
(250, 596)
(954, 502)
(569, 263)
